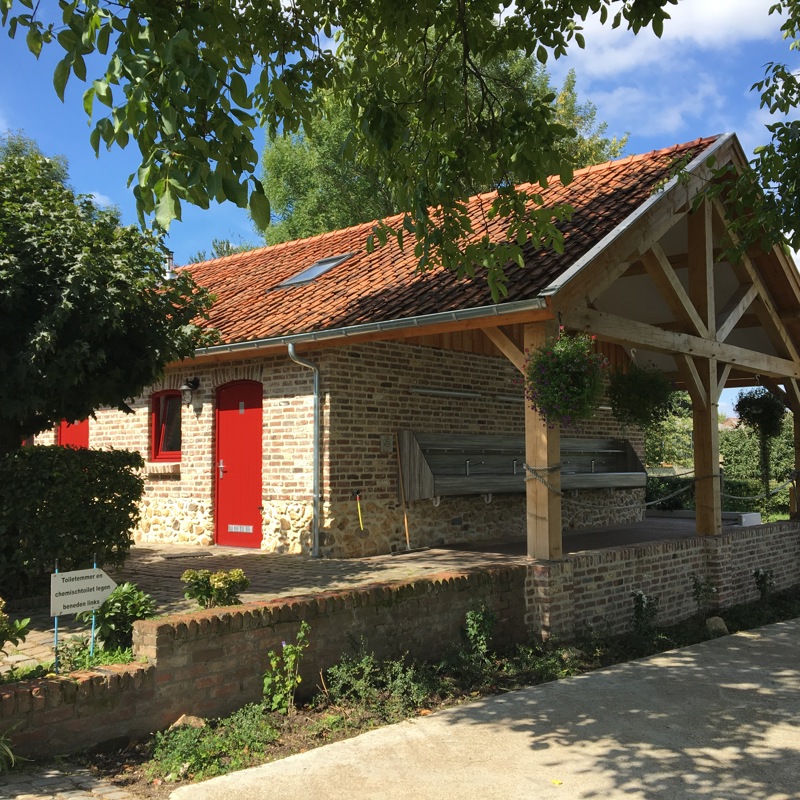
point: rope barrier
(536, 473)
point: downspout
(317, 444)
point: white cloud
(101, 199)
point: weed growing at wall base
(283, 676)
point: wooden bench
(442, 465)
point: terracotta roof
(385, 285)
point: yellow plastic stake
(358, 504)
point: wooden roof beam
(733, 311)
(701, 265)
(507, 347)
(632, 333)
(671, 289)
(763, 304)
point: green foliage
(426, 112)
(114, 619)
(318, 182)
(645, 614)
(220, 248)
(65, 504)
(12, 632)
(8, 758)
(703, 593)
(668, 441)
(86, 315)
(478, 626)
(564, 378)
(388, 689)
(639, 396)
(223, 745)
(763, 412)
(75, 654)
(214, 589)
(283, 676)
(765, 583)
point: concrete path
(716, 721)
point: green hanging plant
(762, 412)
(640, 397)
(564, 378)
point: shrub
(11, 631)
(114, 619)
(75, 654)
(65, 504)
(214, 589)
(703, 592)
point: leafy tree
(670, 440)
(763, 413)
(191, 82)
(313, 187)
(219, 249)
(86, 316)
(423, 109)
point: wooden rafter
(763, 304)
(666, 281)
(507, 347)
(691, 379)
(733, 311)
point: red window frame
(165, 413)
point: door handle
(221, 468)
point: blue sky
(694, 81)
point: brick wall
(367, 396)
(211, 662)
(594, 588)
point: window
(73, 434)
(313, 272)
(166, 426)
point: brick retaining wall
(594, 588)
(211, 662)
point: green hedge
(66, 504)
(661, 487)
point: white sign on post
(80, 590)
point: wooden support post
(542, 449)
(708, 500)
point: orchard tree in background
(314, 187)
(87, 317)
(191, 82)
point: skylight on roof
(313, 272)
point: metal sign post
(77, 591)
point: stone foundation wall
(595, 508)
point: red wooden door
(75, 435)
(238, 464)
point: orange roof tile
(385, 285)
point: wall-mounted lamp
(188, 389)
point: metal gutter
(499, 310)
(631, 220)
(317, 437)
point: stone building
(348, 386)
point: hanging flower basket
(640, 397)
(564, 378)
